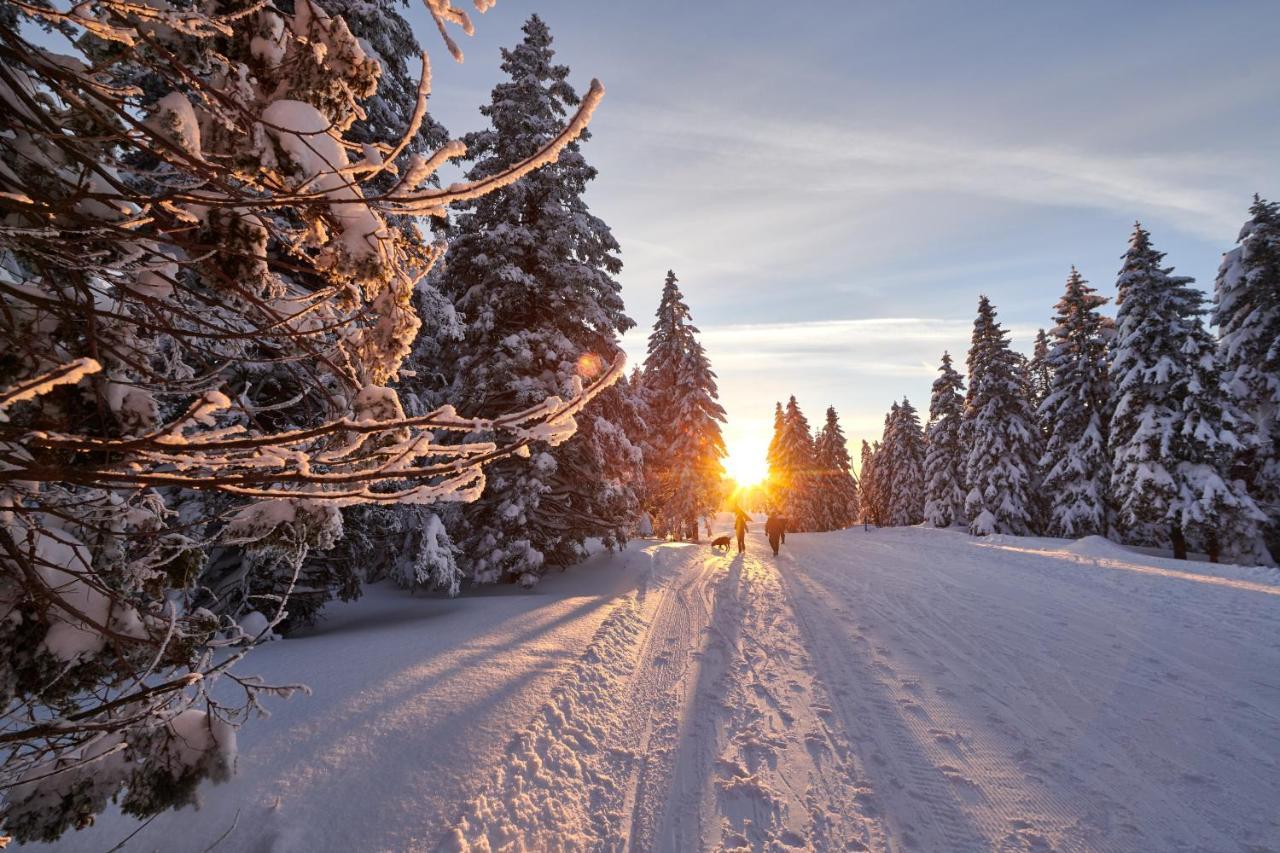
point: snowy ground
(896, 689)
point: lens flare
(590, 365)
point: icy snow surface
(905, 689)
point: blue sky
(835, 184)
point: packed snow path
(886, 690)
(915, 689)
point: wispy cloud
(754, 160)
(879, 346)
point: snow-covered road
(899, 689)
(914, 689)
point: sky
(835, 183)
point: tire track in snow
(693, 721)
(753, 760)
(593, 755)
(785, 778)
(660, 695)
(920, 808)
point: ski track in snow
(894, 690)
(717, 732)
(920, 690)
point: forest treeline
(1145, 427)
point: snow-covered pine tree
(685, 472)
(867, 485)
(793, 488)
(1246, 310)
(1039, 370)
(837, 489)
(532, 270)
(1073, 415)
(628, 409)
(882, 469)
(905, 452)
(1174, 432)
(771, 454)
(904, 448)
(1001, 432)
(944, 460)
(198, 297)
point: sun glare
(746, 465)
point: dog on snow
(720, 542)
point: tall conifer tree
(1073, 415)
(685, 470)
(533, 273)
(906, 454)
(793, 488)
(1039, 370)
(837, 490)
(1246, 310)
(1000, 429)
(883, 469)
(867, 485)
(1174, 433)
(944, 454)
(771, 454)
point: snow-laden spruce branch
(350, 460)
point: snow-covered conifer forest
(1144, 427)
(332, 515)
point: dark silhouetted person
(740, 528)
(776, 529)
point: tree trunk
(1213, 548)
(1179, 542)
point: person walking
(776, 529)
(740, 528)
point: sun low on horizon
(746, 464)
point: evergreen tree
(685, 470)
(792, 482)
(867, 485)
(837, 490)
(1247, 313)
(1073, 415)
(1000, 429)
(639, 427)
(882, 470)
(533, 272)
(771, 454)
(906, 452)
(944, 454)
(1039, 370)
(388, 112)
(1173, 432)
